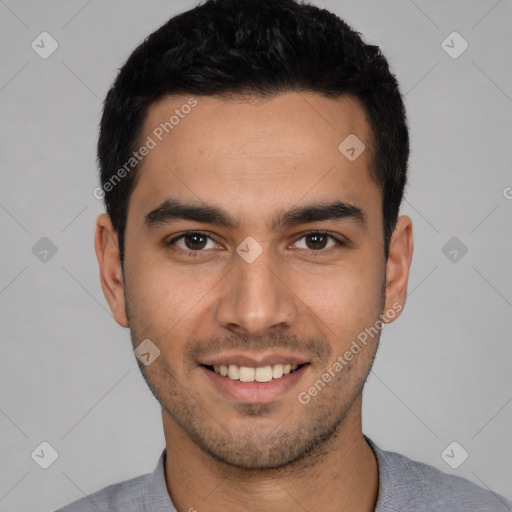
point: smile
(253, 374)
(254, 384)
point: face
(254, 247)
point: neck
(341, 475)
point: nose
(256, 298)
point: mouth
(259, 374)
(260, 384)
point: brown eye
(192, 241)
(195, 241)
(318, 242)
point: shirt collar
(157, 496)
(388, 492)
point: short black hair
(253, 48)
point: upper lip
(253, 360)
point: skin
(301, 296)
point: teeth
(277, 371)
(233, 371)
(263, 374)
(247, 374)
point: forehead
(254, 154)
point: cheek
(166, 298)
(344, 299)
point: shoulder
(127, 496)
(419, 487)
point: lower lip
(255, 392)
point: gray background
(67, 372)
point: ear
(397, 268)
(111, 275)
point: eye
(192, 241)
(317, 241)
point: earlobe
(397, 268)
(111, 275)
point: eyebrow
(174, 209)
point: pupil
(193, 245)
(317, 237)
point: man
(253, 158)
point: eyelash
(320, 252)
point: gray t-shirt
(405, 486)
